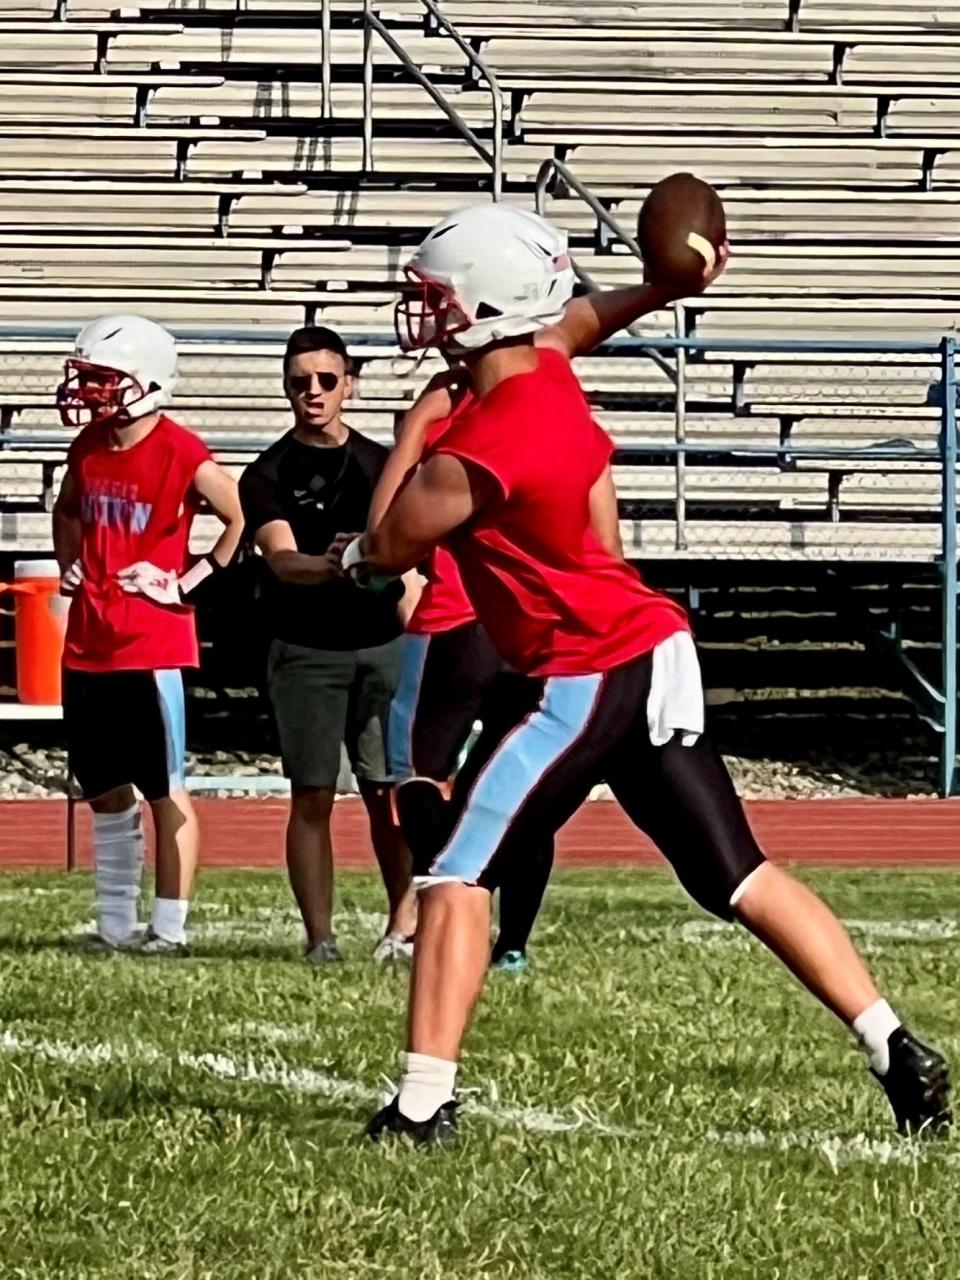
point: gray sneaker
(151, 944)
(393, 948)
(95, 943)
(326, 952)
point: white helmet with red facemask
(485, 273)
(123, 367)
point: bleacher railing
(555, 178)
(492, 154)
(937, 702)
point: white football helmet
(486, 272)
(123, 367)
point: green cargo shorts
(322, 697)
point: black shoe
(438, 1131)
(918, 1086)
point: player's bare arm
(67, 531)
(219, 490)
(595, 317)
(444, 494)
(436, 401)
(276, 541)
(167, 587)
(605, 515)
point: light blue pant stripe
(512, 773)
(169, 682)
(403, 707)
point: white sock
(118, 867)
(426, 1085)
(169, 918)
(874, 1027)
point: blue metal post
(948, 568)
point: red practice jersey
(135, 504)
(552, 600)
(443, 603)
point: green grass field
(656, 1099)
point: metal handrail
(548, 169)
(493, 155)
(940, 703)
(325, 36)
(677, 374)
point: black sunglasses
(302, 383)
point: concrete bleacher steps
(173, 158)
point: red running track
(249, 833)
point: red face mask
(93, 393)
(427, 314)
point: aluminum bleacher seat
(899, 60)
(155, 263)
(276, 100)
(785, 540)
(576, 111)
(208, 307)
(58, 204)
(239, 45)
(313, 154)
(47, 45)
(30, 10)
(879, 319)
(172, 157)
(83, 153)
(471, 17)
(879, 15)
(751, 162)
(538, 56)
(53, 97)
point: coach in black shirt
(334, 658)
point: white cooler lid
(36, 569)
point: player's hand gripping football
(710, 274)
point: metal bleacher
(234, 168)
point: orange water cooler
(41, 624)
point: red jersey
(552, 600)
(135, 504)
(443, 603)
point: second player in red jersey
(134, 482)
(136, 505)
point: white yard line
(278, 925)
(835, 1150)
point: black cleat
(438, 1131)
(918, 1086)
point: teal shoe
(512, 962)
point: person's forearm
(412, 591)
(434, 403)
(300, 570)
(67, 538)
(389, 551)
(591, 319)
(225, 547)
(404, 457)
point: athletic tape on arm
(700, 244)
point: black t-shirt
(320, 492)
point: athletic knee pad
(426, 820)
